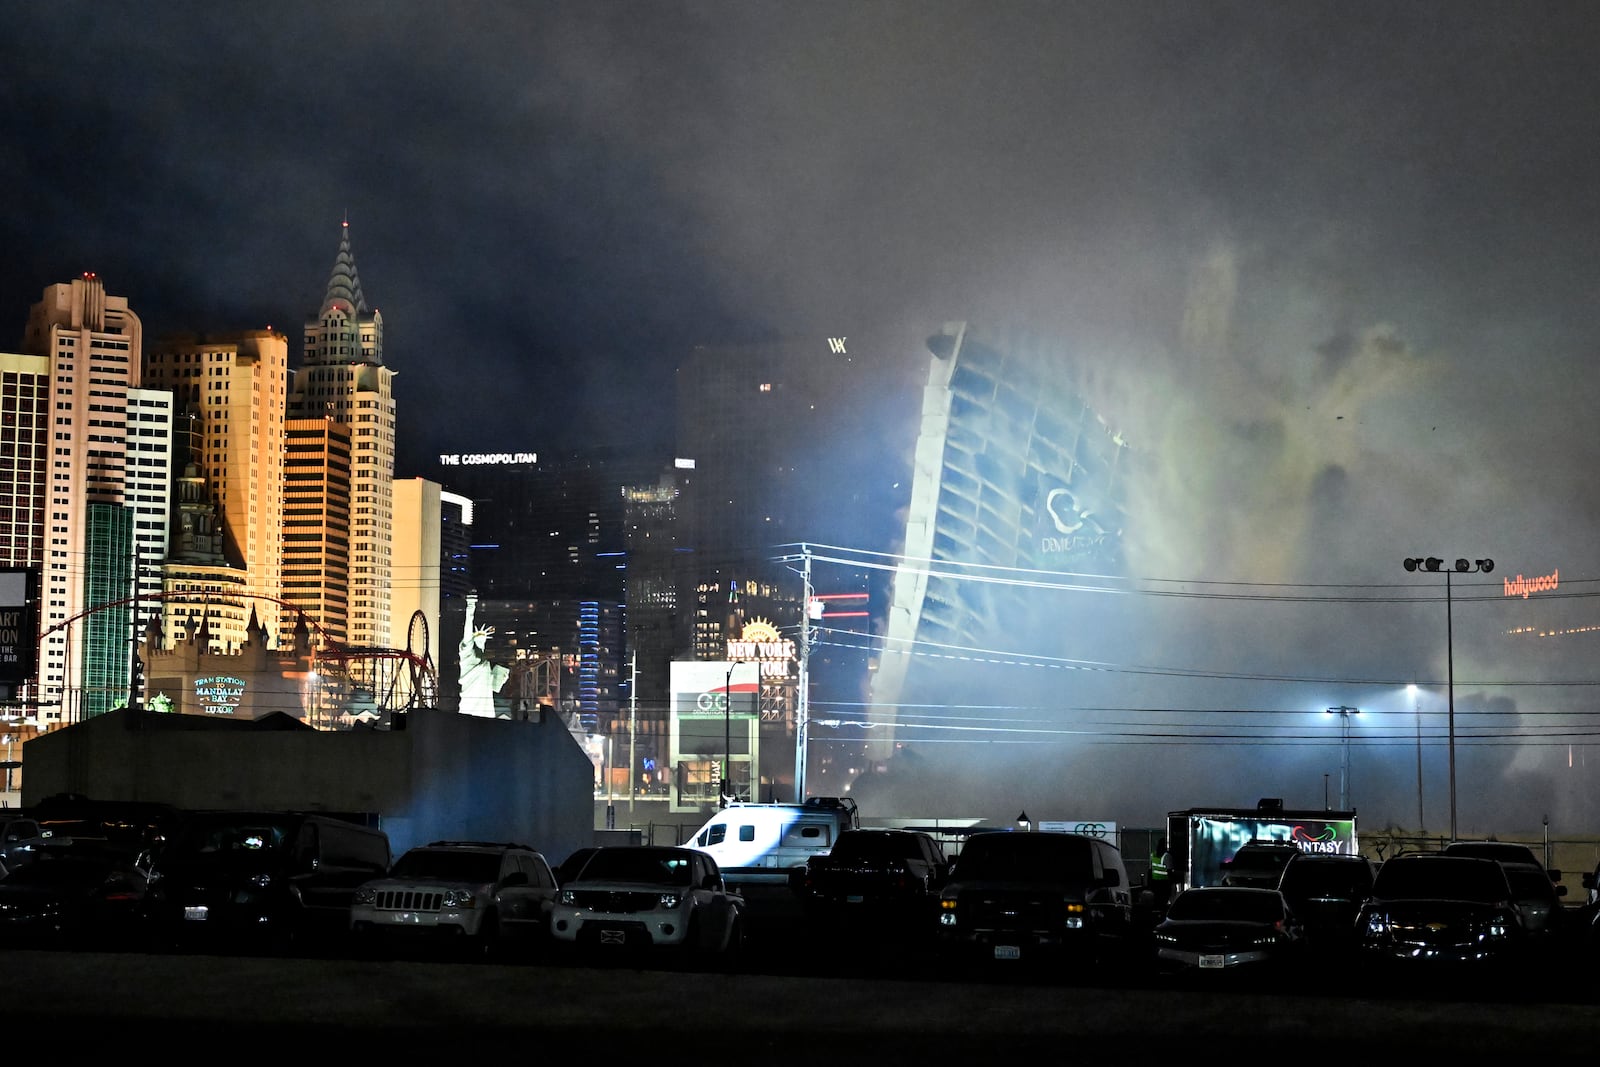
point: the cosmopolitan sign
(485, 459)
(1522, 587)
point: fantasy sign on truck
(1201, 840)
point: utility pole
(633, 724)
(802, 706)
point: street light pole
(1432, 564)
(1412, 689)
(1344, 712)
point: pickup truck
(888, 874)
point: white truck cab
(763, 842)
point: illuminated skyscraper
(230, 393)
(1012, 469)
(109, 468)
(343, 378)
(316, 523)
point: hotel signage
(1522, 587)
(219, 694)
(485, 459)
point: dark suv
(891, 876)
(1020, 896)
(1326, 893)
(262, 879)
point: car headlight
(261, 881)
(366, 895)
(568, 897)
(1377, 925)
(1499, 925)
(670, 900)
(460, 898)
(1166, 939)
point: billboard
(1211, 838)
(19, 625)
(712, 689)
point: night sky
(1328, 267)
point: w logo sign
(836, 346)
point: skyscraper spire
(344, 285)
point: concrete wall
(444, 776)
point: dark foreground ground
(250, 1009)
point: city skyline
(1327, 272)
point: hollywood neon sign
(1523, 587)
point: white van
(762, 842)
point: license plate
(854, 898)
(199, 912)
(613, 937)
(1210, 962)
(1007, 952)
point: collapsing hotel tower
(1012, 471)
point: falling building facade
(1013, 471)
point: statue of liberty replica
(480, 678)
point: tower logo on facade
(836, 346)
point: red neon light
(845, 614)
(840, 596)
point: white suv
(480, 894)
(650, 898)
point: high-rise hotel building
(1013, 471)
(343, 384)
(226, 560)
(85, 471)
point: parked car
(1326, 892)
(1258, 864)
(1454, 913)
(647, 898)
(1504, 851)
(475, 895)
(262, 879)
(74, 897)
(1539, 900)
(890, 877)
(1228, 929)
(20, 841)
(1014, 896)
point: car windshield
(1317, 878)
(1504, 851)
(237, 838)
(652, 866)
(1530, 883)
(448, 866)
(1261, 906)
(1260, 860)
(1441, 878)
(1009, 857)
(62, 871)
(867, 844)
